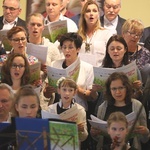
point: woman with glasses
(117, 56)
(15, 71)
(17, 37)
(119, 98)
(132, 32)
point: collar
(47, 21)
(61, 105)
(11, 23)
(113, 22)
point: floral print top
(142, 57)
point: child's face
(27, 107)
(119, 130)
(66, 93)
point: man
(6, 101)
(145, 35)
(53, 9)
(65, 12)
(77, 17)
(11, 11)
(111, 20)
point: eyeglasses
(15, 66)
(134, 34)
(10, 8)
(67, 48)
(17, 40)
(121, 88)
(112, 6)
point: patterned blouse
(142, 57)
(31, 59)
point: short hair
(134, 25)
(66, 82)
(107, 61)
(5, 71)
(117, 117)
(4, 86)
(35, 15)
(73, 37)
(19, 5)
(125, 81)
(15, 30)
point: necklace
(88, 44)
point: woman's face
(27, 107)
(91, 15)
(132, 37)
(116, 51)
(17, 68)
(18, 42)
(118, 91)
(70, 51)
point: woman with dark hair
(15, 71)
(119, 98)
(116, 52)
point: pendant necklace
(88, 44)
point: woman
(119, 98)
(94, 36)
(17, 37)
(132, 31)
(117, 56)
(70, 45)
(15, 71)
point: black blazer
(146, 33)
(119, 25)
(20, 22)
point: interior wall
(130, 9)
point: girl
(119, 98)
(117, 126)
(67, 89)
(27, 103)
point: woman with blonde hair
(94, 36)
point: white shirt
(9, 25)
(97, 47)
(111, 25)
(71, 26)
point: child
(118, 130)
(67, 89)
(27, 103)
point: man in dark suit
(11, 11)
(145, 35)
(111, 20)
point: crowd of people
(92, 40)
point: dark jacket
(20, 22)
(145, 35)
(119, 25)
